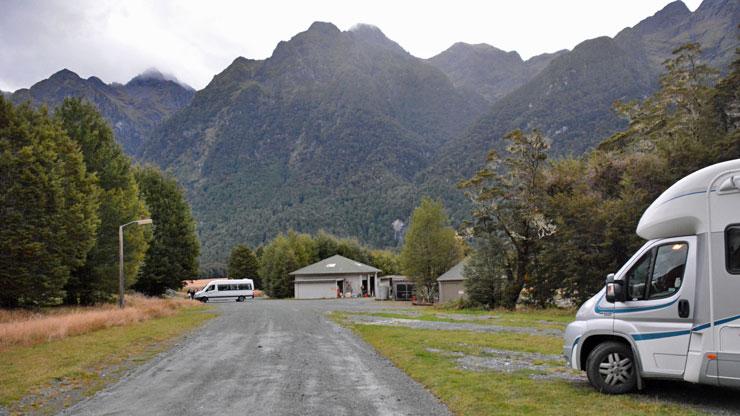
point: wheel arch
(589, 341)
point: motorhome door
(658, 312)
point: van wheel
(611, 368)
(240, 299)
(204, 299)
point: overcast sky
(195, 39)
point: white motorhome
(226, 289)
(673, 310)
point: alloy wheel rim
(615, 369)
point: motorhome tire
(611, 368)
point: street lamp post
(121, 281)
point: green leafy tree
(285, 254)
(387, 261)
(48, 207)
(508, 198)
(120, 203)
(243, 265)
(431, 247)
(172, 255)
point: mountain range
(133, 109)
(345, 130)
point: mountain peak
(373, 35)
(323, 27)
(153, 75)
(667, 17)
(65, 74)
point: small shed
(336, 276)
(452, 283)
(399, 287)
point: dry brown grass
(29, 328)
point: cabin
(333, 277)
(452, 283)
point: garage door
(319, 290)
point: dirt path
(268, 358)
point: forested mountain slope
(571, 99)
(327, 133)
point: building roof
(335, 265)
(455, 273)
(394, 277)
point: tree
(285, 254)
(508, 199)
(385, 260)
(172, 255)
(243, 265)
(97, 279)
(48, 207)
(430, 248)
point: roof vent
(331, 265)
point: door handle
(684, 309)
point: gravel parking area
(269, 357)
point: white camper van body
(679, 313)
(226, 289)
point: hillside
(487, 70)
(327, 133)
(571, 99)
(133, 109)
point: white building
(334, 277)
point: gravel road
(268, 357)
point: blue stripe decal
(719, 322)
(630, 310)
(658, 335)
(688, 194)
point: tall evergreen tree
(172, 255)
(508, 196)
(243, 265)
(48, 207)
(97, 279)
(430, 248)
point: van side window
(637, 277)
(732, 249)
(211, 287)
(223, 287)
(245, 286)
(667, 276)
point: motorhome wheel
(610, 368)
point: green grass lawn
(496, 393)
(78, 360)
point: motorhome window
(732, 248)
(223, 287)
(667, 276)
(637, 277)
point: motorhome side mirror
(614, 289)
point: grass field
(84, 363)
(429, 356)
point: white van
(226, 289)
(673, 310)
